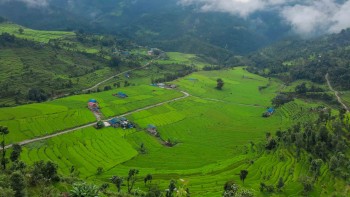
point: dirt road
(185, 95)
(336, 93)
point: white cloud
(305, 17)
(31, 3)
(242, 8)
(341, 19)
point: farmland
(29, 121)
(203, 125)
(182, 58)
(35, 35)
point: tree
(3, 131)
(230, 189)
(143, 149)
(333, 163)
(171, 188)
(20, 30)
(100, 125)
(219, 84)
(148, 178)
(84, 190)
(315, 167)
(115, 62)
(243, 175)
(42, 171)
(307, 183)
(6, 192)
(118, 181)
(301, 89)
(154, 191)
(271, 144)
(280, 184)
(16, 152)
(106, 88)
(18, 166)
(50, 171)
(18, 184)
(132, 177)
(37, 94)
(99, 170)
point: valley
(165, 99)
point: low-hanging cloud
(306, 17)
(31, 3)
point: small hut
(152, 129)
(122, 95)
(92, 101)
(269, 112)
(115, 122)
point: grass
(213, 129)
(35, 35)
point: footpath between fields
(25, 142)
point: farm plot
(86, 150)
(35, 35)
(182, 58)
(212, 137)
(29, 121)
(240, 86)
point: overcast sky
(305, 17)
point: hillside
(37, 65)
(155, 22)
(223, 129)
(173, 98)
(292, 60)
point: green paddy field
(218, 133)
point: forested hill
(157, 23)
(291, 60)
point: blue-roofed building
(268, 112)
(122, 95)
(93, 101)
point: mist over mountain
(306, 18)
(233, 25)
(150, 22)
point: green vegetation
(34, 35)
(231, 126)
(35, 120)
(311, 60)
(182, 58)
(210, 140)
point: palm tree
(3, 131)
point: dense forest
(27, 65)
(292, 60)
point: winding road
(336, 93)
(110, 78)
(185, 95)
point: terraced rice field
(181, 58)
(29, 121)
(213, 129)
(35, 35)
